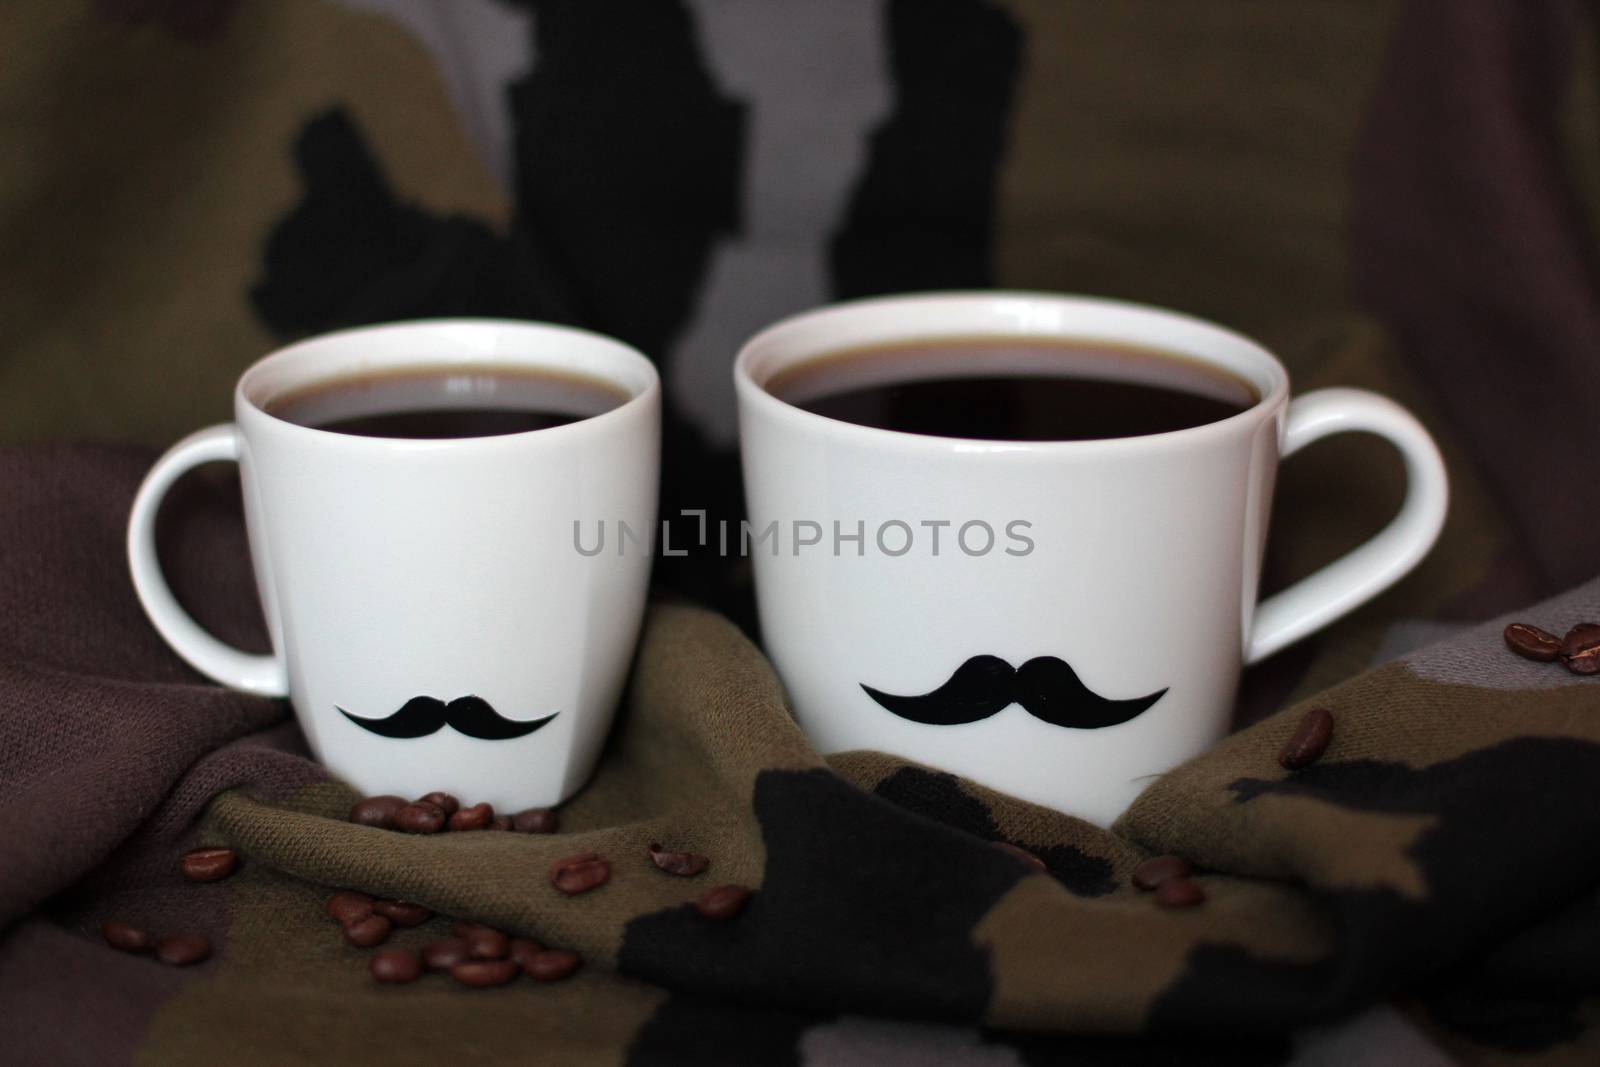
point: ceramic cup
(1072, 670)
(431, 620)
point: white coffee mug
(1070, 659)
(431, 619)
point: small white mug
(1120, 613)
(438, 577)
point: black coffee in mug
(1014, 389)
(446, 401)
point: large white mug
(1119, 612)
(431, 618)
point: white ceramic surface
(1143, 571)
(392, 569)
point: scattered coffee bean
(579, 874)
(483, 942)
(1179, 893)
(477, 817)
(121, 935)
(1584, 636)
(443, 801)
(365, 933)
(524, 949)
(552, 965)
(486, 944)
(396, 966)
(402, 912)
(377, 811)
(686, 864)
(1585, 662)
(1019, 853)
(535, 821)
(443, 955)
(348, 907)
(501, 822)
(1310, 740)
(1531, 642)
(723, 902)
(419, 818)
(208, 864)
(1581, 648)
(480, 974)
(180, 950)
(1154, 872)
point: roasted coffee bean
(1585, 662)
(396, 966)
(686, 864)
(723, 902)
(1179, 893)
(364, 933)
(348, 907)
(480, 974)
(443, 801)
(419, 818)
(579, 874)
(552, 965)
(377, 811)
(477, 817)
(443, 955)
(486, 944)
(461, 928)
(1309, 741)
(501, 822)
(121, 935)
(1584, 636)
(208, 864)
(402, 912)
(1152, 873)
(1531, 642)
(180, 950)
(524, 949)
(536, 821)
(1581, 648)
(1019, 853)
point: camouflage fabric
(1436, 859)
(1394, 194)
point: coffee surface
(446, 402)
(1003, 389)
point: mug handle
(263, 675)
(1364, 572)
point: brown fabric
(144, 170)
(1429, 856)
(1193, 156)
(1471, 238)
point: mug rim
(973, 303)
(643, 387)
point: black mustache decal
(1047, 687)
(473, 716)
